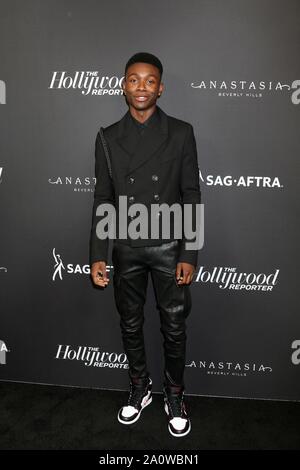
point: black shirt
(152, 120)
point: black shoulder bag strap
(105, 147)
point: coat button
(131, 180)
(154, 178)
(156, 197)
(131, 199)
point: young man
(153, 161)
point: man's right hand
(96, 270)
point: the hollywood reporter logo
(89, 82)
(92, 356)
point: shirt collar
(151, 121)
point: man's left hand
(184, 273)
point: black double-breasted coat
(158, 167)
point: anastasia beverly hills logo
(79, 184)
(248, 88)
(92, 356)
(241, 368)
(232, 368)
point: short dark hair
(147, 58)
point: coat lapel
(153, 140)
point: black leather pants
(130, 279)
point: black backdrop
(231, 70)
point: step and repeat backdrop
(232, 70)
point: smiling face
(142, 85)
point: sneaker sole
(147, 402)
(170, 430)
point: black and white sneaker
(140, 396)
(179, 422)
